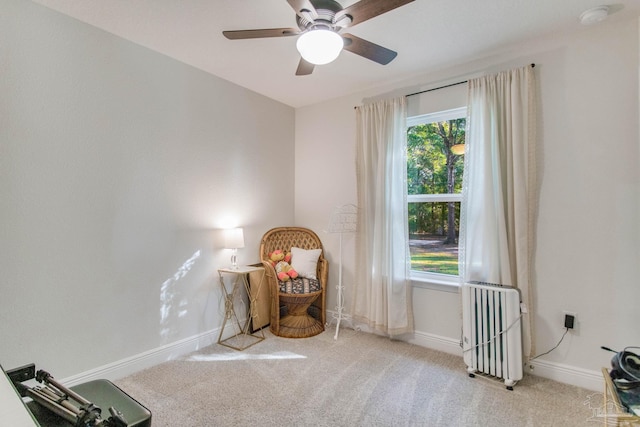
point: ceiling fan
(319, 25)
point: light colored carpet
(359, 380)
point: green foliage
(431, 218)
(429, 156)
(432, 168)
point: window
(435, 164)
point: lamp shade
(233, 238)
(320, 46)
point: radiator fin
(492, 331)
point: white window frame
(422, 279)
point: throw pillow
(305, 262)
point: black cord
(547, 352)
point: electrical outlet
(569, 320)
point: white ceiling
(427, 34)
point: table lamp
(234, 240)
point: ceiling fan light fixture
(320, 46)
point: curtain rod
(437, 88)
(445, 86)
(442, 87)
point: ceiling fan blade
(304, 68)
(367, 9)
(368, 50)
(304, 9)
(258, 34)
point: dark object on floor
(54, 405)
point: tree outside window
(435, 164)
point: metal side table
(242, 337)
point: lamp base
(234, 259)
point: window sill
(436, 282)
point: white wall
(587, 254)
(118, 168)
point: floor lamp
(344, 219)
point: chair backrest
(286, 238)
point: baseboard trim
(591, 380)
(435, 342)
(585, 378)
(147, 359)
(423, 339)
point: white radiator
(492, 331)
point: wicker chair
(294, 315)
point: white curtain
(382, 293)
(496, 236)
